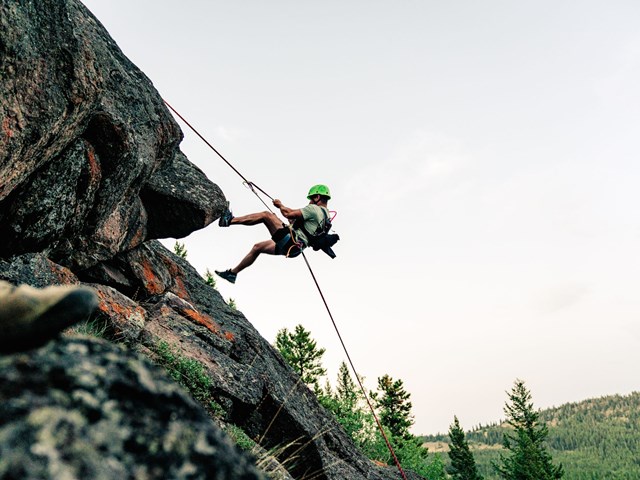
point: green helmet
(319, 190)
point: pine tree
(348, 407)
(180, 250)
(209, 278)
(529, 458)
(463, 465)
(346, 390)
(394, 407)
(302, 354)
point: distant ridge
(595, 439)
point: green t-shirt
(313, 217)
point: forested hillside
(595, 439)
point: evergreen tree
(348, 408)
(180, 250)
(346, 391)
(326, 397)
(303, 355)
(463, 465)
(529, 458)
(435, 470)
(209, 278)
(394, 407)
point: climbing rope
(250, 185)
(344, 347)
(254, 188)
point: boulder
(85, 408)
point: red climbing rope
(253, 187)
(364, 392)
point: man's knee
(258, 247)
(270, 216)
(263, 247)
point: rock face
(89, 154)
(90, 174)
(249, 379)
(105, 414)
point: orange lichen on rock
(94, 166)
(109, 306)
(202, 319)
(6, 129)
(121, 316)
(179, 289)
(207, 322)
(138, 237)
(172, 266)
(152, 283)
(64, 275)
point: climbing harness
(254, 188)
(286, 243)
(321, 239)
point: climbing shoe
(226, 217)
(30, 317)
(228, 275)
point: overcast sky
(483, 160)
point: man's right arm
(289, 213)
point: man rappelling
(309, 226)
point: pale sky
(483, 161)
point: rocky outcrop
(84, 408)
(89, 154)
(257, 390)
(90, 174)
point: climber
(29, 316)
(308, 222)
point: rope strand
(355, 372)
(252, 186)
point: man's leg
(268, 247)
(269, 219)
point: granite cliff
(91, 175)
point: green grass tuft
(191, 374)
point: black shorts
(285, 244)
